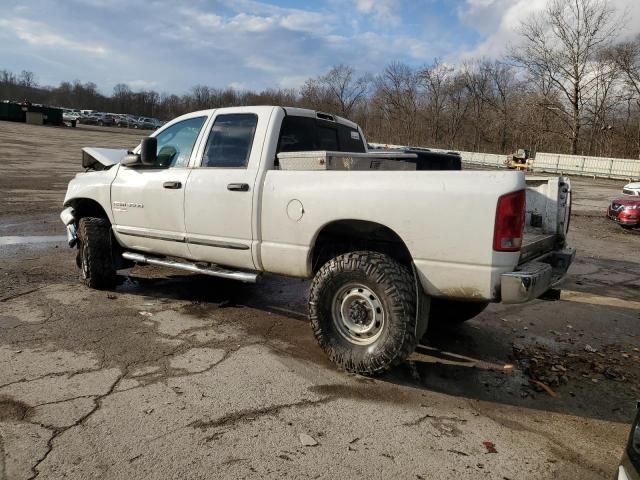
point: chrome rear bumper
(534, 278)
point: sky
(171, 45)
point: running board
(213, 271)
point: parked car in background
(102, 119)
(629, 468)
(133, 121)
(146, 123)
(632, 189)
(122, 121)
(70, 116)
(625, 210)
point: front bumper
(69, 219)
(534, 278)
(629, 218)
(625, 222)
(626, 470)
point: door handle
(172, 185)
(238, 187)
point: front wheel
(95, 253)
(362, 307)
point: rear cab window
(304, 134)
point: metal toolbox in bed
(325, 160)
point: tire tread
(397, 284)
(95, 235)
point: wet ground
(180, 376)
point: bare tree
(457, 106)
(477, 82)
(559, 45)
(122, 96)
(397, 95)
(627, 57)
(504, 87)
(436, 78)
(315, 95)
(27, 79)
(340, 88)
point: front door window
(176, 142)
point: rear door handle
(238, 187)
(172, 185)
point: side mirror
(147, 156)
(148, 151)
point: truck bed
(547, 216)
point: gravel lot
(180, 376)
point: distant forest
(566, 87)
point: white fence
(588, 166)
(604, 167)
(484, 159)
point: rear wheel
(362, 307)
(94, 253)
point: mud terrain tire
(96, 262)
(362, 307)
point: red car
(625, 211)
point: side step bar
(214, 271)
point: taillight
(507, 234)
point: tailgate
(548, 210)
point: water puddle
(26, 240)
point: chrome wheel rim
(358, 314)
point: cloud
(141, 84)
(383, 10)
(37, 35)
(172, 46)
(500, 21)
(292, 20)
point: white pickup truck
(236, 192)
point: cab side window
(230, 140)
(176, 142)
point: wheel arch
(87, 207)
(345, 235)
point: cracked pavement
(178, 376)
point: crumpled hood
(105, 156)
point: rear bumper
(534, 278)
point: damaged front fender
(69, 220)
